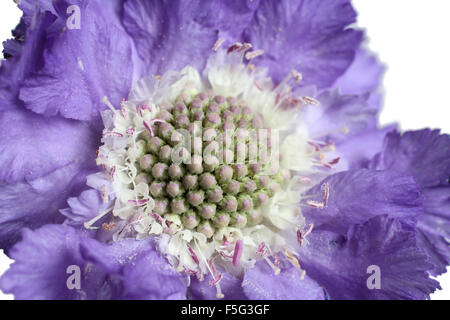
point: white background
(412, 37)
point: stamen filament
(276, 270)
(89, 223)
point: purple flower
(203, 150)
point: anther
(238, 248)
(218, 44)
(253, 54)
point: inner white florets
(212, 205)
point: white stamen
(275, 269)
(106, 101)
(219, 294)
(88, 224)
(104, 194)
(80, 64)
(311, 101)
(218, 44)
(253, 54)
(296, 75)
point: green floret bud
(190, 181)
(238, 220)
(147, 161)
(154, 144)
(174, 189)
(190, 219)
(159, 171)
(165, 153)
(157, 188)
(215, 195)
(233, 187)
(206, 228)
(195, 198)
(224, 174)
(178, 206)
(229, 204)
(161, 206)
(207, 181)
(207, 211)
(175, 171)
(221, 219)
(245, 203)
(143, 178)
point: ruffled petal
(341, 263)
(425, 155)
(339, 117)
(364, 74)
(358, 195)
(358, 151)
(41, 262)
(36, 202)
(169, 34)
(29, 7)
(82, 65)
(152, 278)
(310, 36)
(107, 271)
(260, 283)
(228, 18)
(26, 58)
(33, 146)
(85, 207)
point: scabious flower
(210, 149)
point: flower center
(214, 166)
(209, 163)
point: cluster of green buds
(220, 184)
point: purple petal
(339, 117)
(340, 264)
(82, 65)
(168, 35)
(358, 151)
(364, 74)
(425, 155)
(107, 271)
(27, 60)
(12, 47)
(152, 278)
(36, 202)
(29, 7)
(356, 196)
(85, 207)
(144, 273)
(310, 36)
(228, 17)
(33, 146)
(41, 261)
(260, 283)
(231, 288)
